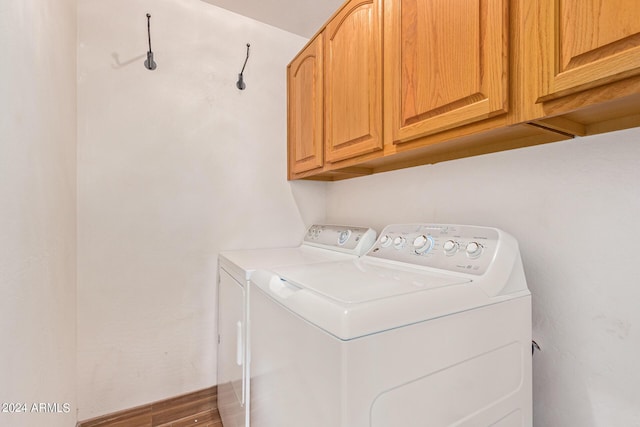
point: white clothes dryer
(321, 243)
(431, 328)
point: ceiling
(302, 17)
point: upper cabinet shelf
(398, 83)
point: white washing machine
(321, 243)
(431, 328)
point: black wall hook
(240, 84)
(149, 63)
(534, 347)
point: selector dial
(473, 249)
(385, 240)
(399, 242)
(422, 244)
(343, 237)
(314, 232)
(450, 247)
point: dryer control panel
(459, 248)
(353, 240)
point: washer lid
(360, 281)
(358, 298)
(241, 263)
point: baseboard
(199, 408)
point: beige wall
(38, 210)
(574, 208)
(174, 165)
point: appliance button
(399, 242)
(343, 237)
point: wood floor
(193, 409)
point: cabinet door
(588, 43)
(353, 81)
(232, 380)
(446, 64)
(304, 82)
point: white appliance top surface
(352, 299)
(254, 259)
(321, 243)
(362, 281)
(413, 273)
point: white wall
(574, 207)
(174, 165)
(38, 210)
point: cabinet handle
(239, 343)
(240, 358)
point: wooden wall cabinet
(410, 82)
(305, 109)
(353, 81)
(434, 85)
(446, 65)
(335, 92)
(588, 43)
(583, 64)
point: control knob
(385, 240)
(450, 247)
(313, 233)
(399, 242)
(422, 244)
(473, 249)
(343, 237)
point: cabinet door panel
(353, 81)
(305, 109)
(588, 43)
(446, 64)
